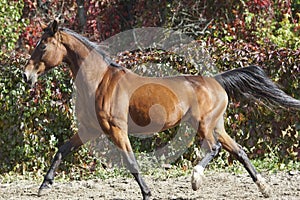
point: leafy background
(35, 122)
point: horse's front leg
(121, 140)
(62, 152)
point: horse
(115, 101)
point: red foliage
(48, 10)
(31, 34)
(258, 4)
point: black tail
(253, 82)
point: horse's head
(48, 53)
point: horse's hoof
(147, 196)
(44, 189)
(197, 177)
(263, 187)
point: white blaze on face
(31, 73)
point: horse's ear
(53, 27)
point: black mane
(93, 46)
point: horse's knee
(240, 154)
(216, 148)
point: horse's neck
(91, 71)
(87, 66)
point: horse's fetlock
(49, 178)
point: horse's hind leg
(235, 149)
(212, 146)
(197, 174)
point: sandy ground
(217, 185)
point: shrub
(32, 122)
(11, 24)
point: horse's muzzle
(27, 80)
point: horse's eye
(43, 46)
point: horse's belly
(152, 108)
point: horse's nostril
(24, 77)
(29, 81)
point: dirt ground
(217, 185)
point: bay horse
(115, 101)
